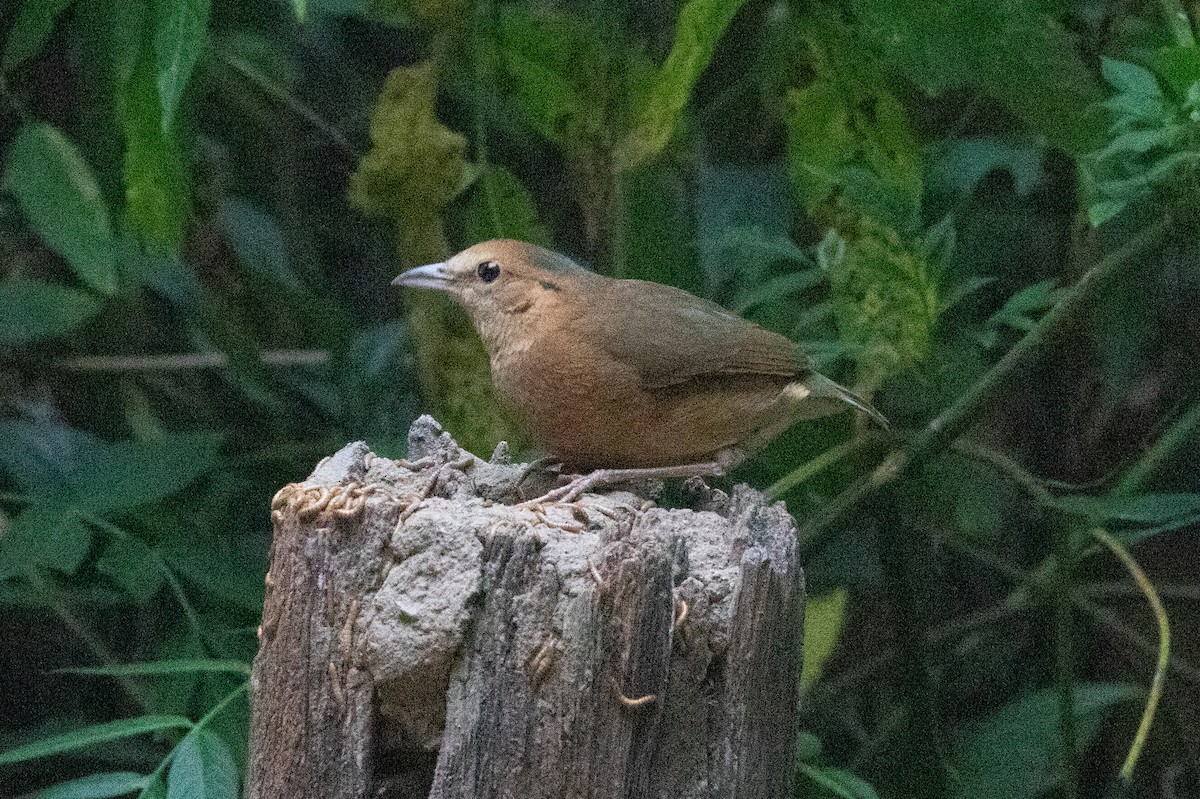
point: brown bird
(626, 377)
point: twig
(1164, 649)
(188, 360)
(943, 429)
(814, 466)
(1176, 435)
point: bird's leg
(546, 464)
(725, 460)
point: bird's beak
(431, 276)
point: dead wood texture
(423, 638)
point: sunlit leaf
(88, 736)
(179, 33)
(415, 165)
(29, 32)
(823, 620)
(47, 534)
(95, 786)
(202, 768)
(1017, 752)
(156, 194)
(59, 194)
(32, 310)
(698, 28)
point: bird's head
(498, 278)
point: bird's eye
(488, 271)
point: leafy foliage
(203, 202)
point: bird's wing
(670, 336)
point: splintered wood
(424, 635)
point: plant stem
(99, 651)
(1179, 23)
(1064, 665)
(948, 424)
(1164, 649)
(815, 466)
(1176, 435)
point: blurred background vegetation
(981, 214)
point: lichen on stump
(423, 638)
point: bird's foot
(575, 488)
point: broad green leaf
(839, 782)
(1021, 308)
(88, 736)
(95, 786)
(1017, 752)
(32, 310)
(535, 49)
(1142, 509)
(963, 163)
(33, 26)
(220, 574)
(39, 455)
(133, 473)
(59, 195)
(1013, 51)
(823, 620)
(259, 243)
(131, 564)
(182, 666)
(498, 206)
(47, 534)
(179, 32)
(850, 141)
(300, 9)
(156, 193)
(1130, 78)
(700, 25)
(1179, 68)
(415, 166)
(202, 768)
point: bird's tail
(819, 387)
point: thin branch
(1178, 434)
(943, 429)
(189, 360)
(1164, 649)
(292, 103)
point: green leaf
(132, 565)
(1142, 509)
(300, 9)
(700, 25)
(156, 192)
(1013, 51)
(1130, 78)
(33, 26)
(839, 782)
(963, 163)
(498, 206)
(179, 31)
(1021, 308)
(133, 473)
(181, 666)
(823, 620)
(259, 243)
(88, 736)
(95, 786)
(47, 534)
(59, 195)
(202, 768)
(1016, 753)
(31, 310)
(415, 166)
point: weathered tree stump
(421, 638)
